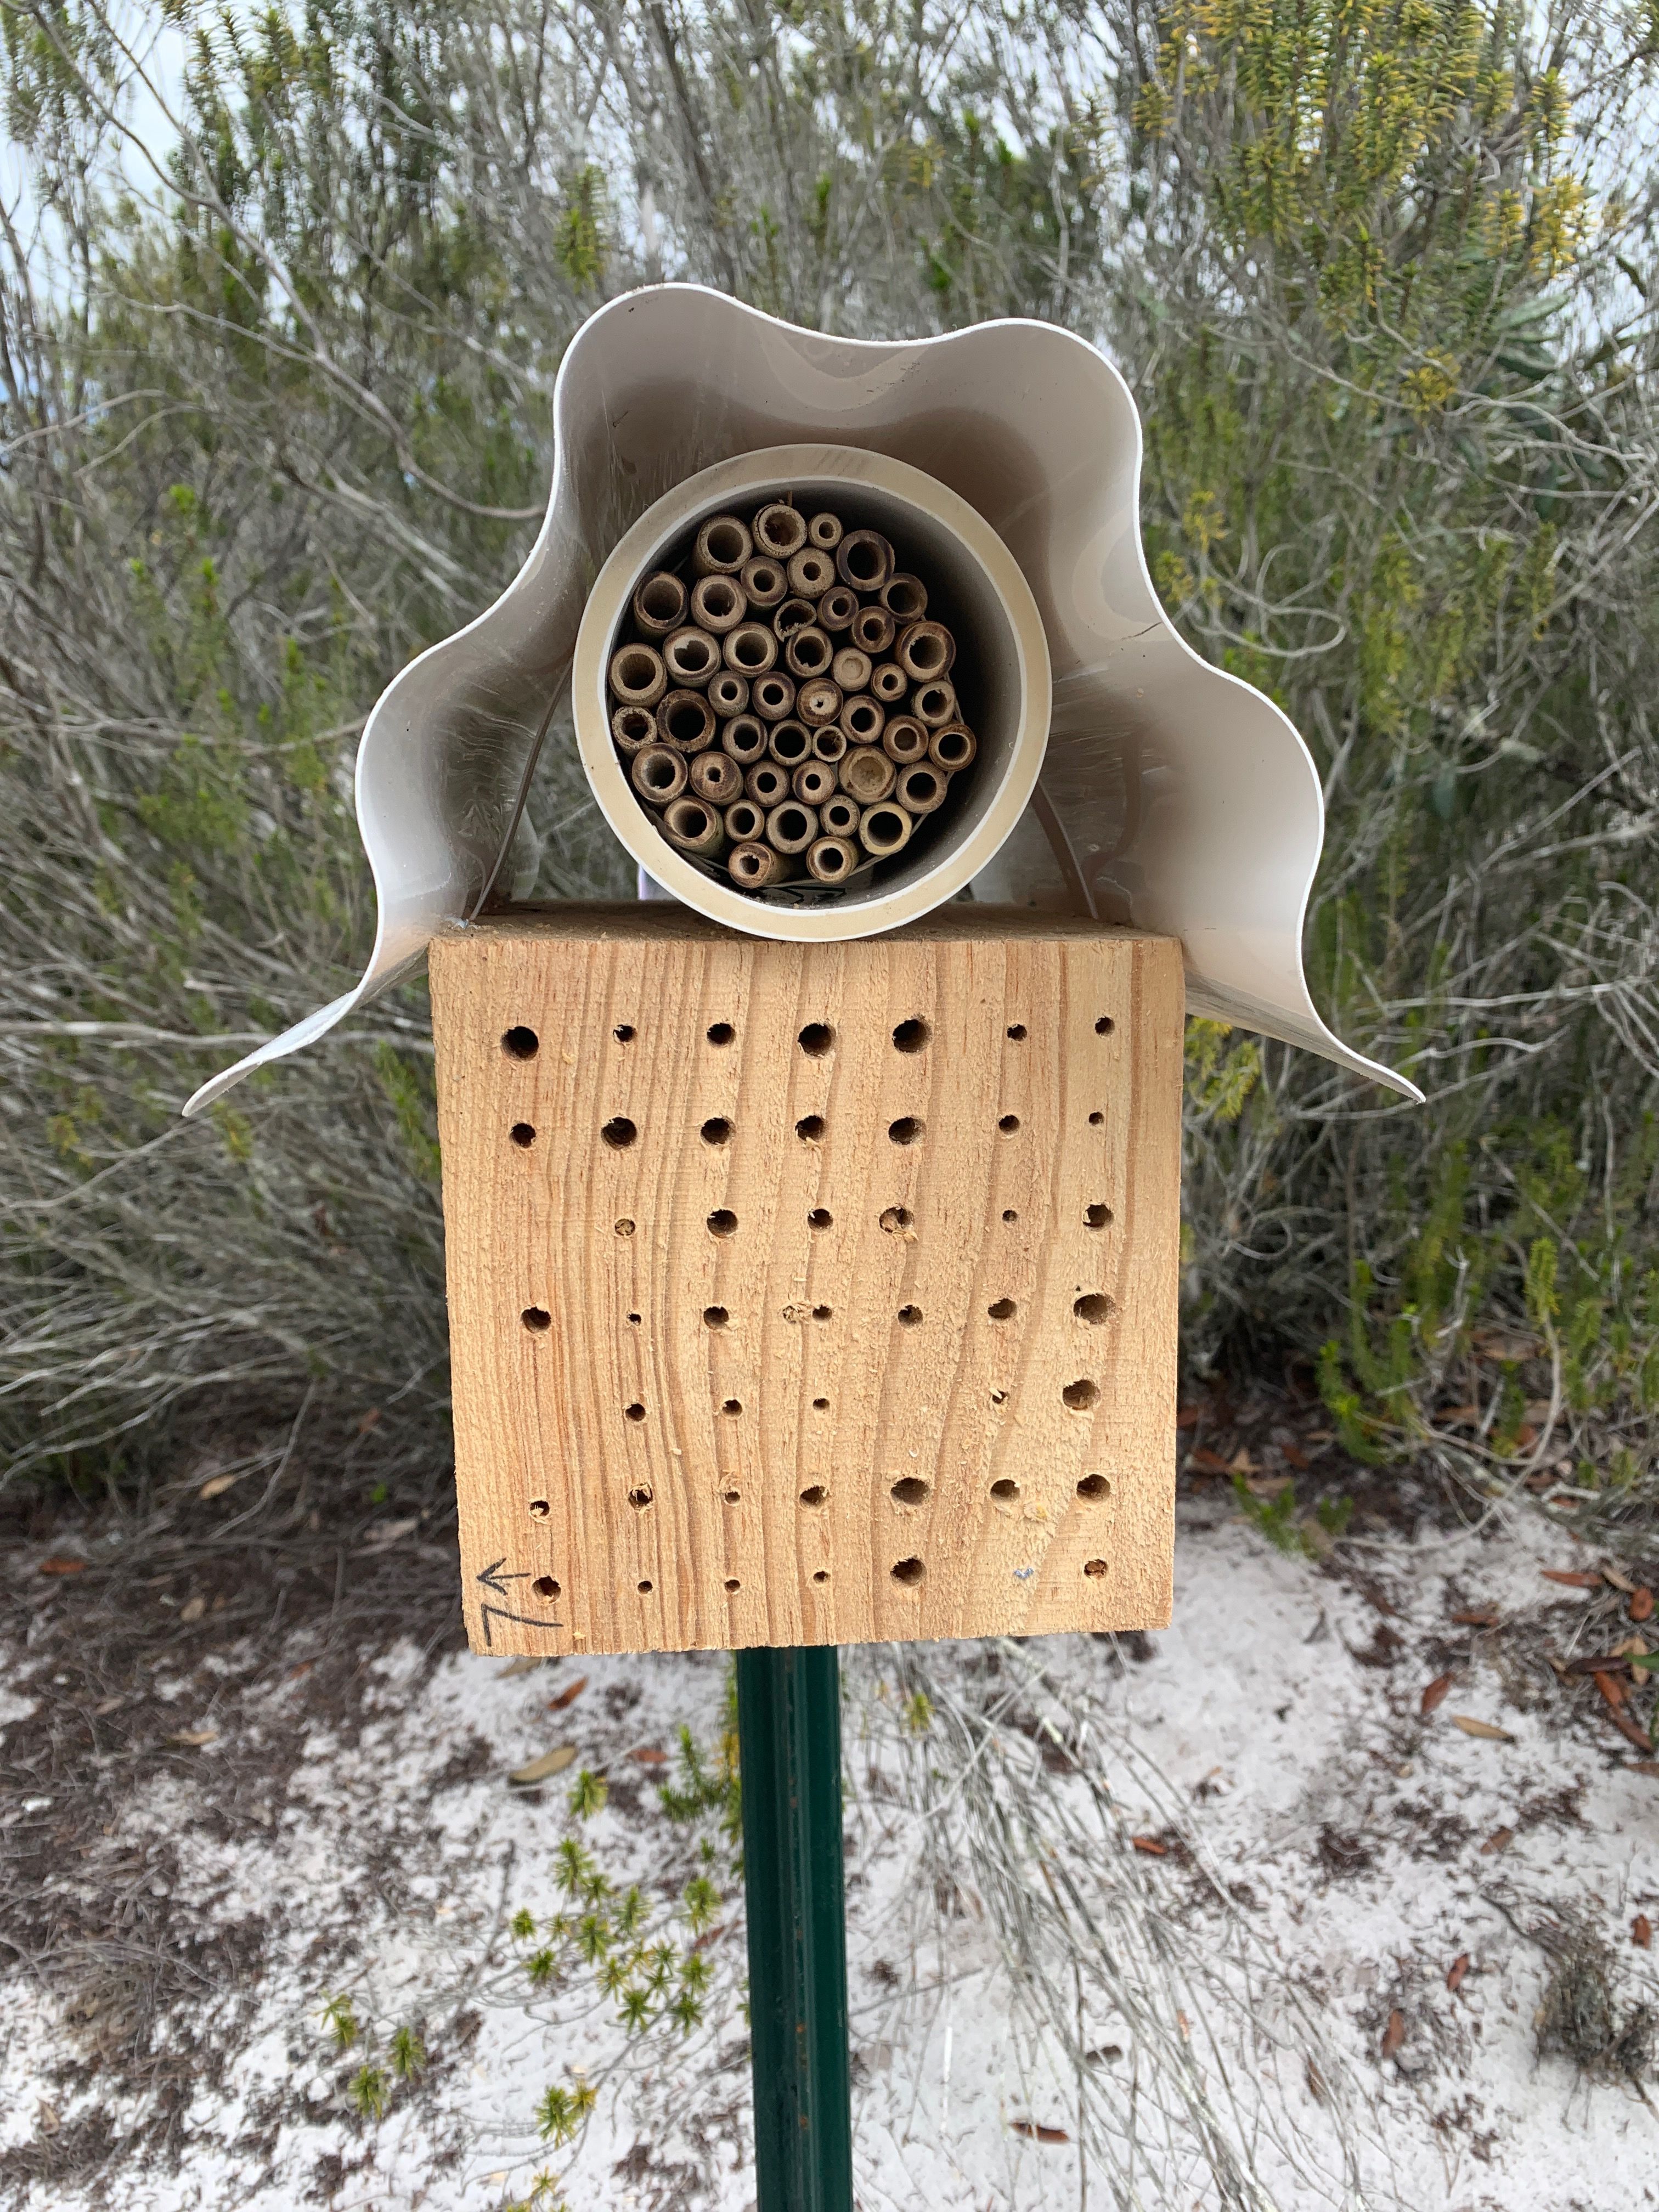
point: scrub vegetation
(283, 295)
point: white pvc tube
(1001, 676)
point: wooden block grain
(809, 1294)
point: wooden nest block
(808, 1293)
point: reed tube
(782, 700)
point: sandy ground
(1126, 1918)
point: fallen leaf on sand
(1187, 1417)
(1436, 1693)
(1612, 1691)
(1152, 1846)
(518, 1667)
(1456, 1970)
(1619, 1582)
(1641, 1604)
(1499, 1840)
(648, 1755)
(1207, 1462)
(1295, 1454)
(1641, 1931)
(61, 1567)
(193, 1609)
(216, 1485)
(1648, 1766)
(1034, 2131)
(551, 1762)
(1460, 1417)
(1488, 1732)
(193, 1739)
(1632, 1730)
(1394, 2033)
(1572, 1578)
(1485, 1620)
(567, 1697)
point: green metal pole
(789, 1750)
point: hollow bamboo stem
(831, 860)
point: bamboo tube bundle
(783, 696)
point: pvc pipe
(1002, 679)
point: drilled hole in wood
(720, 1033)
(895, 1218)
(820, 1405)
(731, 1496)
(999, 1397)
(623, 1033)
(715, 1316)
(910, 1490)
(906, 1130)
(912, 1035)
(1096, 1216)
(1096, 1120)
(1009, 1214)
(1008, 1124)
(635, 1320)
(732, 1583)
(1094, 1487)
(909, 1315)
(639, 1499)
(1016, 1031)
(814, 1494)
(544, 1586)
(635, 1411)
(820, 1218)
(1080, 1396)
(1005, 1488)
(1094, 1567)
(619, 1133)
(535, 1317)
(1094, 1307)
(822, 1313)
(722, 1222)
(731, 1406)
(821, 1574)
(520, 1043)
(810, 1129)
(1104, 1026)
(523, 1135)
(908, 1571)
(717, 1130)
(645, 1589)
(624, 1227)
(1002, 1309)
(540, 1508)
(816, 1039)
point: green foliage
(408, 2053)
(1377, 278)
(371, 2092)
(588, 1794)
(561, 2112)
(340, 2019)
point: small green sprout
(340, 2019)
(371, 2092)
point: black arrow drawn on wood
(486, 1612)
(493, 1579)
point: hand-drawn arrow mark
(493, 1579)
(486, 1612)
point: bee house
(809, 1293)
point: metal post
(789, 1750)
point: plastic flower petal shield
(1173, 797)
